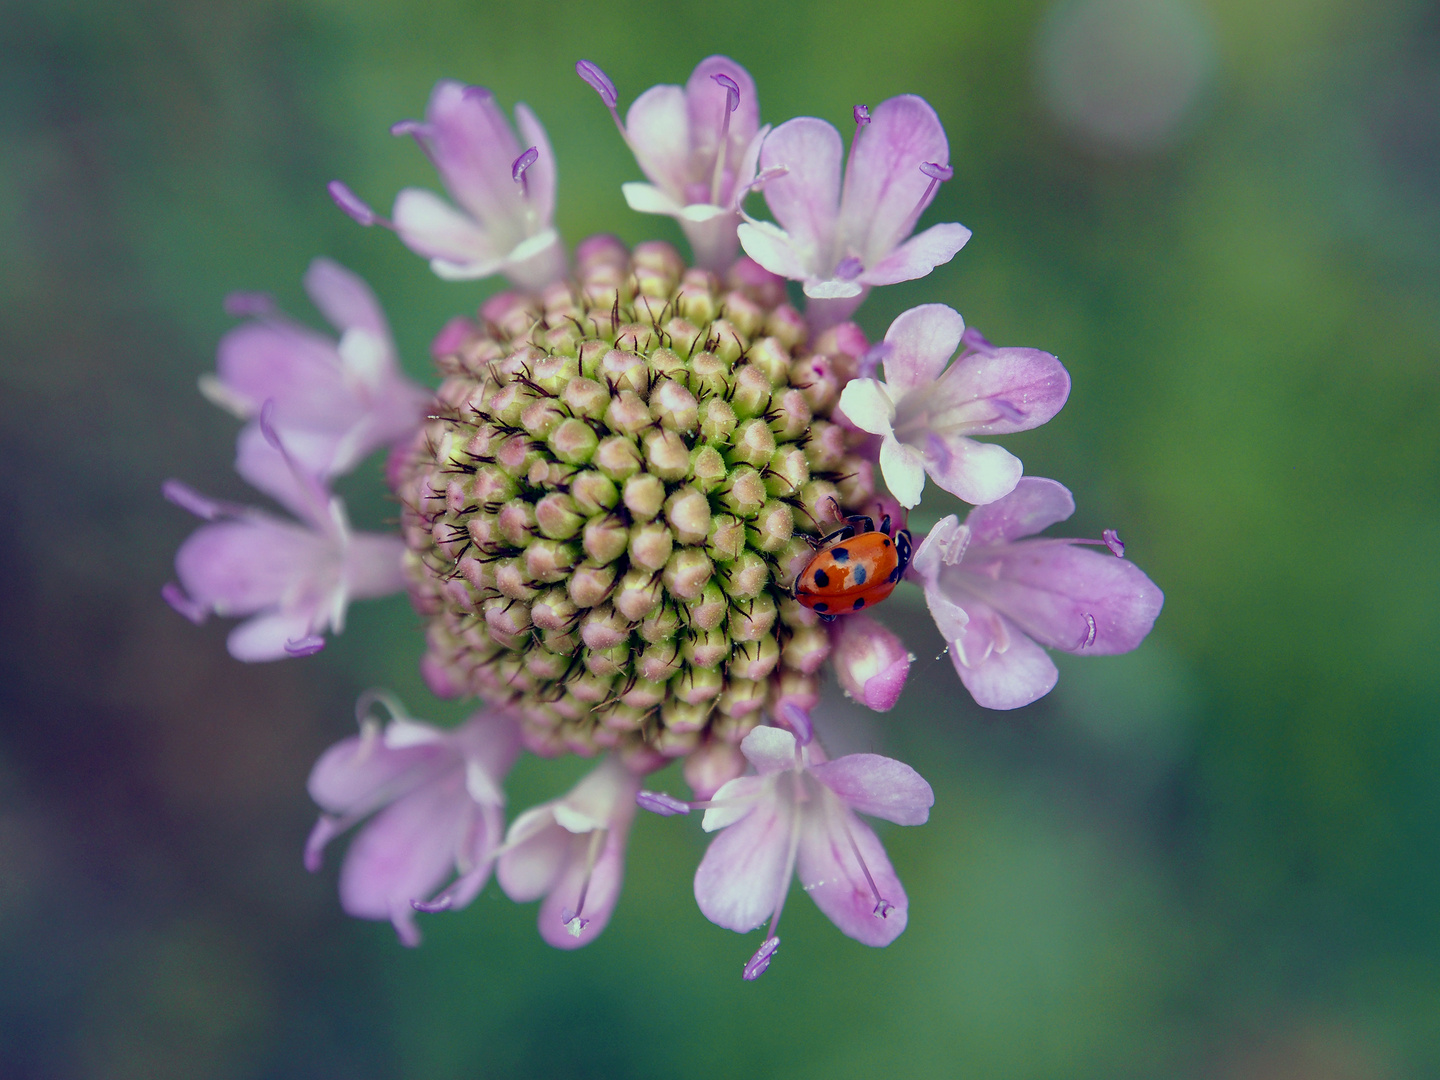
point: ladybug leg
(902, 549)
(861, 520)
(845, 532)
(826, 618)
(885, 525)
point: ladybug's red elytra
(853, 568)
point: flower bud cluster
(603, 511)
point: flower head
(698, 145)
(1000, 600)
(926, 412)
(505, 190)
(333, 401)
(841, 238)
(295, 579)
(437, 810)
(572, 852)
(796, 815)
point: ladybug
(855, 567)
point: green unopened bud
(605, 539)
(788, 472)
(650, 545)
(591, 352)
(566, 643)
(788, 325)
(772, 528)
(644, 694)
(746, 577)
(518, 523)
(726, 539)
(644, 496)
(480, 573)
(815, 502)
(574, 441)
(628, 413)
(638, 593)
(816, 380)
(733, 729)
(675, 406)
(753, 444)
(557, 517)
(585, 398)
(696, 303)
(726, 341)
(624, 370)
(681, 716)
(743, 492)
(675, 743)
(752, 620)
(493, 486)
(554, 610)
(688, 512)
(622, 717)
(747, 316)
(707, 649)
(707, 468)
(796, 687)
(667, 363)
(541, 417)
(545, 665)
(806, 650)
(659, 663)
(717, 420)
(741, 697)
(752, 391)
(772, 358)
(550, 560)
(684, 337)
(637, 337)
(507, 404)
(795, 614)
(790, 563)
(825, 448)
(513, 581)
(564, 338)
(617, 457)
(661, 624)
(608, 662)
(593, 492)
(660, 257)
(755, 659)
(710, 376)
(856, 482)
(666, 454)
(697, 685)
(590, 687)
(710, 610)
(590, 585)
(687, 573)
(603, 628)
(506, 617)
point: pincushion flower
(505, 191)
(1001, 600)
(926, 413)
(842, 238)
(434, 805)
(796, 815)
(332, 401)
(572, 852)
(698, 145)
(295, 579)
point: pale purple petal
(882, 690)
(1003, 391)
(712, 237)
(1034, 505)
(1007, 680)
(406, 851)
(879, 786)
(733, 800)
(531, 867)
(344, 299)
(921, 340)
(264, 637)
(473, 147)
(706, 104)
(1052, 590)
(769, 246)
(431, 227)
(919, 255)
(491, 739)
(356, 772)
(240, 567)
(600, 896)
(540, 177)
(942, 546)
(805, 200)
(883, 181)
(659, 131)
(866, 405)
(904, 471)
(266, 469)
(744, 871)
(977, 472)
(648, 199)
(835, 880)
(769, 749)
(290, 364)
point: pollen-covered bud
(603, 513)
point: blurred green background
(1217, 857)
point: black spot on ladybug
(822, 606)
(840, 555)
(887, 543)
(821, 578)
(858, 604)
(859, 577)
(894, 575)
